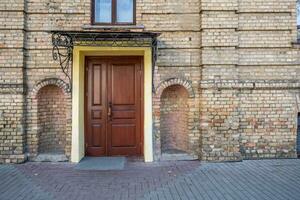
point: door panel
(123, 84)
(123, 135)
(96, 84)
(113, 106)
(95, 114)
(124, 124)
(124, 114)
(96, 135)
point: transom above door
(113, 106)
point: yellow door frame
(79, 54)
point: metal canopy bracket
(64, 41)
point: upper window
(113, 12)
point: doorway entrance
(114, 106)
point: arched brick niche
(174, 119)
(175, 81)
(51, 103)
(174, 110)
(49, 121)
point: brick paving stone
(15, 185)
(249, 180)
(257, 180)
(137, 179)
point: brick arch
(174, 111)
(51, 120)
(163, 106)
(51, 81)
(175, 81)
(57, 93)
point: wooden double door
(113, 106)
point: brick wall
(235, 58)
(12, 134)
(248, 107)
(11, 128)
(269, 127)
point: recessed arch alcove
(174, 116)
(51, 103)
(174, 120)
(49, 124)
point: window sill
(111, 27)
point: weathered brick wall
(219, 131)
(11, 128)
(268, 112)
(219, 124)
(179, 58)
(41, 70)
(12, 134)
(248, 107)
(235, 57)
(28, 23)
(268, 123)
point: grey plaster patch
(51, 158)
(177, 157)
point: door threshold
(135, 159)
(102, 163)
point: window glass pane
(103, 11)
(125, 11)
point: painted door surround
(79, 55)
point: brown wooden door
(96, 109)
(114, 100)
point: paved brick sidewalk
(253, 180)
(14, 185)
(62, 181)
(265, 179)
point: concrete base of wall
(177, 157)
(51, 158)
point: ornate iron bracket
(154, 59)
(64, 41)
(63, 53)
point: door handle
(110, 110)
